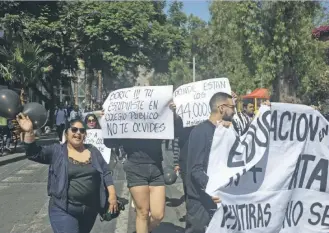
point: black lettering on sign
(323, 132)
(99, 141)
(260, 217)
(284, 136)
(268, 214)
(125, 106)
(246, 216)
(101, 149)
(214, 85)
(115, 116)
(294, 212)
(193, 111)
(147, 127)
(316, 209)
(153, 105)
(318, 175)
(112, 128)
(302, 118)
(242, 215)
(124, 128)
(199, 95)
(233, 153)
(148, 92)
(301, 127)
(252, 217)
(254, 170)
(144, 115)
(325, 218)
(137, 93)
(317, 206)
(264, 127)
(120, 94)
(184, 90)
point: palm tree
(25, 63)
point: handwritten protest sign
(192, 99)
(139, 112)
(95, 138)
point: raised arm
(40, 154)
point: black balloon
(169, 175)
(37, 114)
(10, 104)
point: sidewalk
(20, 152)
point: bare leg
(141, 199)
(157, 205)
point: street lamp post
(193, 68)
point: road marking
(2, 187)
(37, 225)
(123, 219)
(25, 172)
(35, 165)
(12, 179)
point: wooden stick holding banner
(139, 112)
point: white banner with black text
(274, 179)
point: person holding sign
(200, 206)
(79, 183)
(91, 121)
(242, 120)
(144, 174)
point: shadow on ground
(174, 202)
(166, 227)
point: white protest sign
(95, 138)
(192, 99)
(274, 180)
(139, 112)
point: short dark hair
(219, 96)
(94, 116)
(72, 122)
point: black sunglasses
(75, 130)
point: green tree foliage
(269, 44)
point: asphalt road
(24, 200)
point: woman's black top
(84, 183)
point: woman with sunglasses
(92, 122)
(79, 182)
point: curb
(19, 157)
(20, 151)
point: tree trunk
(88, 85)
(285, 86)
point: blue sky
(196, 7)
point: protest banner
(95, 138)
(139, 112)
(192, 99)
(274, 179)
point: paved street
(24, 200)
